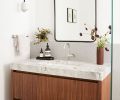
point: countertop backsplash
(84, 51)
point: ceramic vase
(100, 56)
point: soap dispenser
(41, 53)
(47, 51)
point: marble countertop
(74, 69)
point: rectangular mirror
(74, 20)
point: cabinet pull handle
(16, 99)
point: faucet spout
(68, 54)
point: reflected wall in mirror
(71, 19)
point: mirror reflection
(74, 20)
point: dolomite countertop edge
(73, 69)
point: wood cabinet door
(66, 89)
(87, 90)
(47, 89)
(52, 88)
(24, 86)
(16, 86)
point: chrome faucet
(69, 54)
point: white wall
(103, 15)
(116, 50)
(13, 21)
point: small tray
(45, 58)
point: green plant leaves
(41, 35)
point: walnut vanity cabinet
(29, 86)
(24, 86)
(52, 88)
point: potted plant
(101, 45)
(41, 35)
(101, 42)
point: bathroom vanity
(60, 80)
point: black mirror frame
(73, 41)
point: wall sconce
(24, 6)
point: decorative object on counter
(41, 53)
(101, 43)
(41, 35)
(101, 40)
(45, 58)
(100, 56)
(95, 36)
(47, 51)
(47, 55)
(24, 6)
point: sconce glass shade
(25, 6)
